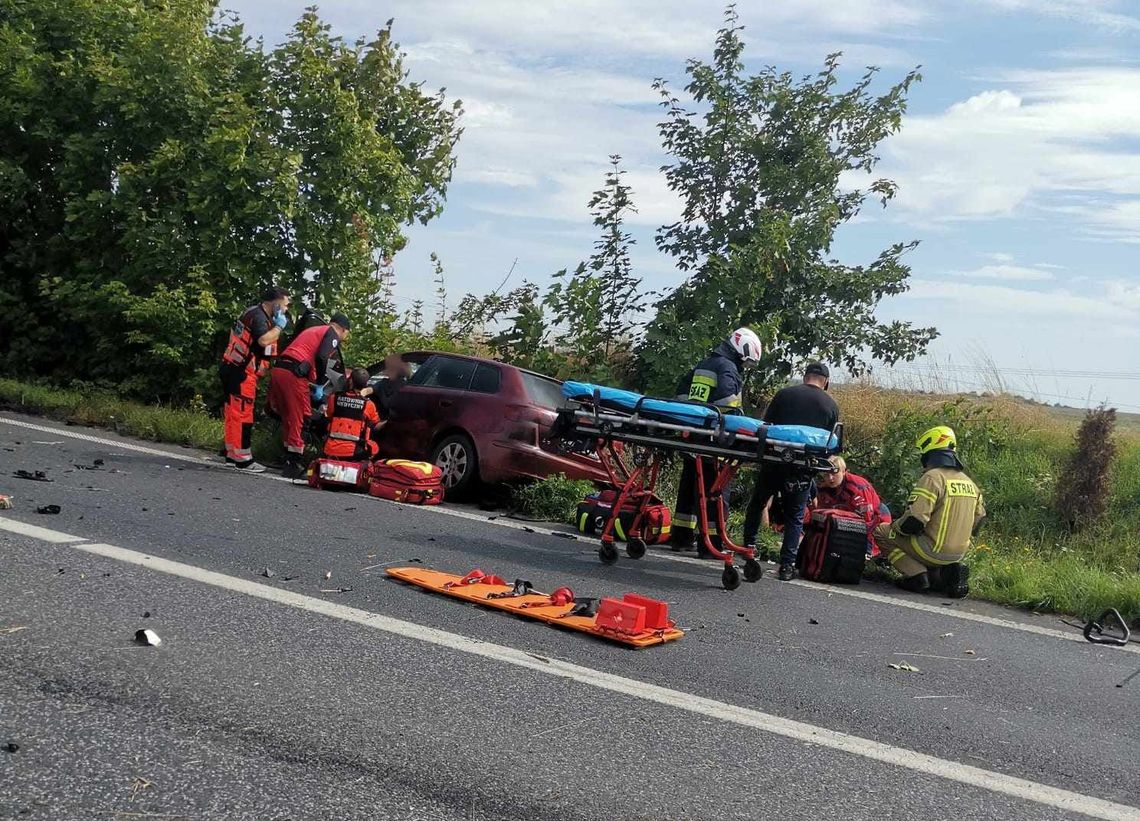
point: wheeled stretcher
(634, 435)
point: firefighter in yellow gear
(926, 544)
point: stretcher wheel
(635, 547)
(753, 570)
(730, 578)
(608, 553)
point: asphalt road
(277, 705)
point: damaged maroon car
(479, 420)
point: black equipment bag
(834, 548)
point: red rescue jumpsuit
(303, 363)
(856, 495)
(243, 362)
(351, 420)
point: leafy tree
(598, 305)
(762, 163)
(149, 199)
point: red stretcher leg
(703, 516)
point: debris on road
(267, 573)
(971, 652)
(1117, 630)
(946, 636)
(6, 631)
(1134, 675)
(910, 668)
(5, 502)
(34, 476)
(11, 747)
(147, 638)
(140, 785)
(336, 590)
(328, 575)
(812, 621)
(49, 510)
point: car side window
(487, 379)
(445, 372)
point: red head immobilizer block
(656, 611)
(620, 616)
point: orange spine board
(530, 606)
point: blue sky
(1019, 160)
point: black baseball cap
(817, 369)
(341, 320)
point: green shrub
(1082, 494)
(554, 499)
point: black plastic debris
(267, 573)
(49, 510)
(34, 476)
(812, 621)
(11, 747)
(146, 614)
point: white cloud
(1099, 13)
(1007, 273)
(970, 297)
(1045, 138)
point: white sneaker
(249, 467)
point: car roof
(480, 359)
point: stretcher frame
(587, 426)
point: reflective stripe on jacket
(715, 380)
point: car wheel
(456, 458)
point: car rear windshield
(543, 391)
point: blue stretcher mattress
(699, 415)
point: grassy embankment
(1013, 449)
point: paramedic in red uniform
(251, 346)
(301, 371)
(353, 421)
(839, 489)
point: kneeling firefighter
(943, 512)
(353, 421)
(716, 380)
(301, 372)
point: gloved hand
(279, 319)
(318, 392)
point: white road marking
(36, 532)
(838, 590)
(1018, 788)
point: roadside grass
(1024, 557)
(191, 426)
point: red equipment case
(332, 473)
(401, 480)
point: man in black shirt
(806, 404)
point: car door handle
(445, 403)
